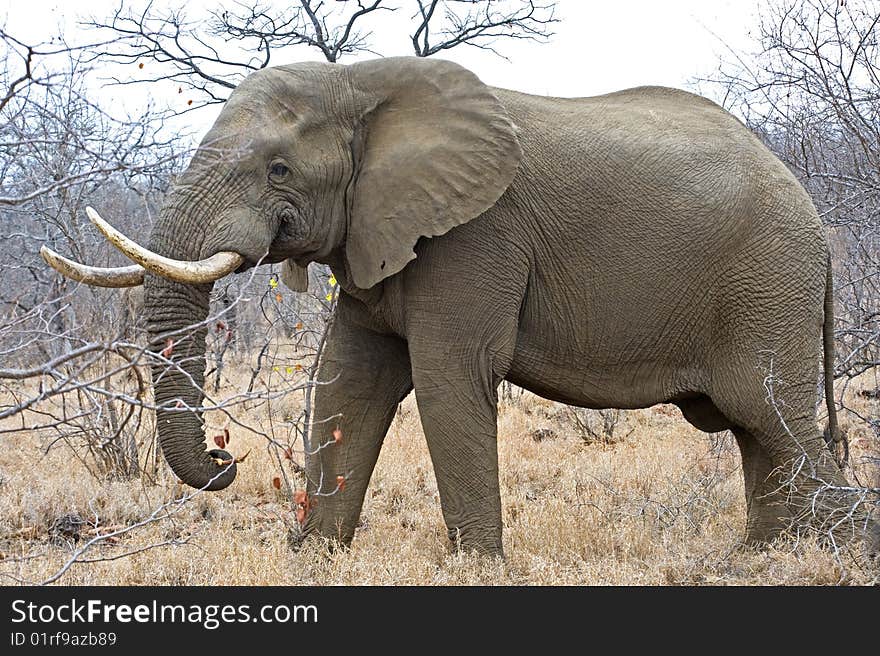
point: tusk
(202, 271)
(130, 276)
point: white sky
(599, 45)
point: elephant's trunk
(170, 309)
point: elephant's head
(308, 162)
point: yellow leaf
(274, 368)
(273, 283)
(332, 280)
(289, 370)
(329, 296)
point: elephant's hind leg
(767, 508)
(791, 479)
(765, 363)
(766, 501)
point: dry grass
(665, 506)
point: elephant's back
(656, 153)
(644, 110)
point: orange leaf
(189, 102)
(299, 325)
(298, 367)
(141, 65)
(279, 297)
(169, 348)
(276, 483)
(219, 441)
(303, 505)
(340, 483)
(337, 435)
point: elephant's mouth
(302, 257)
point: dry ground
(663, 506)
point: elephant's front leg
(457, 405)
(456, 368)
(370, 375)
(462, 323)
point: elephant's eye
(278, 171)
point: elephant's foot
(483, 542)
(328, 528)
(765, 522)
(821, 505)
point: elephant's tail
(835, 440)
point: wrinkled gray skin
(616, 251)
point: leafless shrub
(603, 427)
(509, 393)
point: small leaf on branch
(276, 483)
(337, 435)
(340, 483)
(169, 348)
(303, 504)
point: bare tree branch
(479, 24)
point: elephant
(616, 251)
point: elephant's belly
(595, 380)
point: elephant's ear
(294, 276)
(435, 148)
